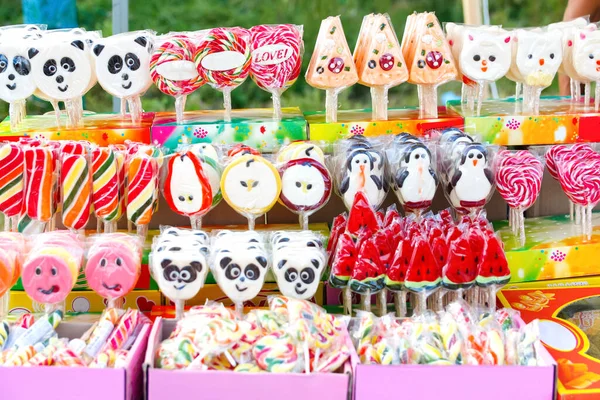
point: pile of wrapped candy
(291, 336)
(459, 335)
(29, 342)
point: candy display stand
(469, 382)
(86, 301)
(225, 385)
(359, 122)
(101, 129)
(554, 248)
(503, 122)
(255, 127)
(569, 311)
(79, 383)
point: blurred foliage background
(186, 15)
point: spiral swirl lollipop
(518, 180)
(173, 70)
(223, 60)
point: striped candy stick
(39, 173)
(3, 333)
(20, 356)
(66, 357)
(44, 357)
(123, 330)
(142, 177)
(25, 321)
(12, 170)
(106, 185)
(76, 191)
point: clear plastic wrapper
(359, 165)
(75, 186)
(306, 186)
(536, 57)
(518, 176)
(276, 59)
(186, 187)
(301, 149)
(40, 176)
(211, 165)
(51, 267)
(493, 271)
(107, 197)
(412, 175)
(12, 184)
(142, 171)
(173, 68)
(63, 69)
(423, 275)
(114, 263)
(586, 61)
(239, 265)
(223, 59)
(331, 66)
(251, 185)
(379, 61)
(299, 260)
(428, 57)
(123, 68)
(179, 264)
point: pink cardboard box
(460, 382)
(224, 385)
(64, 383)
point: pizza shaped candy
(114, 265)
(331, 66)
(250, 185)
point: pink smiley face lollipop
(49, 274)
(113, 267)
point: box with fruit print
(559, 121)
(86, 301)
(101, 129)
(555, 248)
(359, 122)
(254, 127)
(569, 314)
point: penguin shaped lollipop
(472, 182)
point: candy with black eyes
(241, 273)
(298, 270)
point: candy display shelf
(87, 301)
(226, 385)
(569, 314)
(554, 249)
(354, 122)
(254, 127)
(559, 121)
(79, 383)
(101, 129)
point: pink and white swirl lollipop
(518, 180)
(276, 59)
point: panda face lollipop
(123, 64)
(241, 273)
(179, 271)
(298, 271)
(16, 81)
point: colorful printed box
(569, 314)
(254, 127)
(554, 249)
(79, 383)
(359, 122)
(559, 121)
(101, 129)
(86, 301)
(228, 385)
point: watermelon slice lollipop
(460, 270)
(343, 261)
(423, 274)
(396, 273)
(338, 226)
(368, 275)
(493, 268)
(362, 218)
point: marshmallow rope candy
(142, 176)
(276, 59)
(331, 66)
(39, 171)
(123, 68)
(50, 272)
(105, 187)
(76, 191)
(186, 188)
(379, 61)
(173, 70)
(62, 69)
(223, 59)
(251, 186)
(12, 169)
(305, 187)
(518, 180)
(113, 265)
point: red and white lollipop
(276, 59)
(518, 180)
